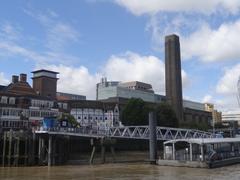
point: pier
(51, 146)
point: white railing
(163, 133)
(131, 132)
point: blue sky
(123, 40)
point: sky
(123, 40)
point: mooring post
(152, 137)
(49, 150)
(93, 151)
(39, 150)
(103, 150)
(26, 151)
(54, 151)
(191, 151)
(33, 149)
(10, 147)
(4, 148)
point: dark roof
(44, 70)
(90, 104)
(20, 88)
(2, 87)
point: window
(11, 100)
(4, 99)
(65, 106)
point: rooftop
(44, 70)
(202, 141)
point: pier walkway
(128, 132)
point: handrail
(131, 132)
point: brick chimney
(23, 77)
(14, 79)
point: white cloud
(226, 96)
(9, 31)
(133, 67)
(207, 99)
(227, 85)
(127, 67)
(140, 7)
(76, 80)
(3, 79)
(59, 34)
(213, 44)
(8, 48)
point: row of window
(7, 100)
(62, 105)
(42, 103)
(13, 124)
(89, 117)
(26, 113)
(92, 111)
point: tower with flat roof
(45, 83)
(173, 75)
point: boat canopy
(202, 141)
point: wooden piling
(49, 150)
(25, 150)
(93, 151)
(4, 148)
(103, 151)
(10, 134)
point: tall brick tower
(173, 75)
(45, 83)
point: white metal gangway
(130, 132)
(163, 133)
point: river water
(120, 171)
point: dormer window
(11, 100)
(4, 99)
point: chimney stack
(23, 77)
(14, 79)
(173, 75)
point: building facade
(45, 83)
(98, 115)
(216, 115)
(20, 106)
(134, 89)
(68, 96)
(231, 116)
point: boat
(201, 152)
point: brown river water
(121, 171)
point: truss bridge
(129, 132)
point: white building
(134, 89)
(231, 116)
(94, 113)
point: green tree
(71, 120)
(135, 113)
(166, 115)
(196, 125)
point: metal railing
(130, 132)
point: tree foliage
(135, 113)
(166, 115)
(196, 125)
(71, 120)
